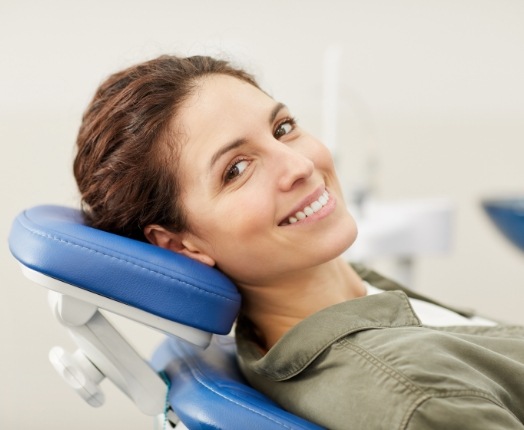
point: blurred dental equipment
(508, 216)
(398, 231)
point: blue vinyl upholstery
(54, 241)
(209, 392)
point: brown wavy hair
(126, 161)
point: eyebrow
(239, 142)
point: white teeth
(316, 206)
(311, 209)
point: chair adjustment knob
(79, 373)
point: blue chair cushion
(53, 240)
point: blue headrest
(53, 240)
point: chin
(342, 239)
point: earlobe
(198, 256)
(176, 242)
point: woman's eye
(285, 127)
(235, 170)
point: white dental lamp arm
(103, 352)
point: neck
(276, 307)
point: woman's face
(260, 194)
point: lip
(306, 202)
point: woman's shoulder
(397, 368)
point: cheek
(241, 237)
(319, 153)
(324, 156)
(235, 220)
(249, 212)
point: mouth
(307, 211)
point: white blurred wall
(433, 88)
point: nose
(294, 167)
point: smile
(309, 210)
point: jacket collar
(308, 339)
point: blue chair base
(208, 391)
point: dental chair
(192, 380)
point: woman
(191, 155)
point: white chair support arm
(110, 354)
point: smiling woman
(246, 167)
(191, 155)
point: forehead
(221, 96)
(220, 110)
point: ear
(181, 243)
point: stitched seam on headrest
(128, 262)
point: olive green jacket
(369, 364)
